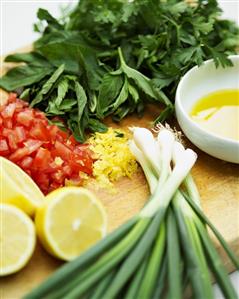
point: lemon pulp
(70, 221)
(17, 188)
(17, 241)
(218, 112)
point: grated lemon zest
(114, 158)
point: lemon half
(70, 221)
(17, 188)
(17, 239)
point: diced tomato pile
(49, 155)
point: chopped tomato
(20, 134)
(12, 140)
(19, 154)
(72, 140)
(42, 159)
(54, 186)
(62, 135)
(59, 176)
(8, 123)
(67, 170)
(43, 181)
(3, 146)
(9, 110)
(61, 150)
(49, 155)
(25, 117)
(40, 131)
(32, 145)
(53, 131)
(26, 162)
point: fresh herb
(161, 252)
(119, 134)
(122, 54)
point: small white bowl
(196, 83)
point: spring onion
(161, 252)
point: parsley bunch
(110, 58)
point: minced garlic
(114, 159)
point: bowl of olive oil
(207, 108)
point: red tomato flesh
(49, 155)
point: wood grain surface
(218, 183)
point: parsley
(111, 58)
(119, 134)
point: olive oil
(218, 112)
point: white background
(16, 28)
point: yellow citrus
(70, 221)
(17, 188)
(17, 241)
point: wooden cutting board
(218, 183)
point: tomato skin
(12, 97)
(41, 116)
(8, 123)
(62, 135)
(4, 149)
(61, 150)
(67, 170)
(6, 132)
(53, 130)
(12, 140)
(29, 147)
(42, 159)
(9, 110)
(19, 154)
(26, 162)
(42, 180)
(39, 131)
(32, 145)
(72, 140)
(20, 134)
(49, 155)
(25, 118)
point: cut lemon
(18, 188)
(70, 221)
(17, 240)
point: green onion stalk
(160, 252)
(188, 239)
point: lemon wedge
(70, 221)
(18, 188)
(17, 241)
